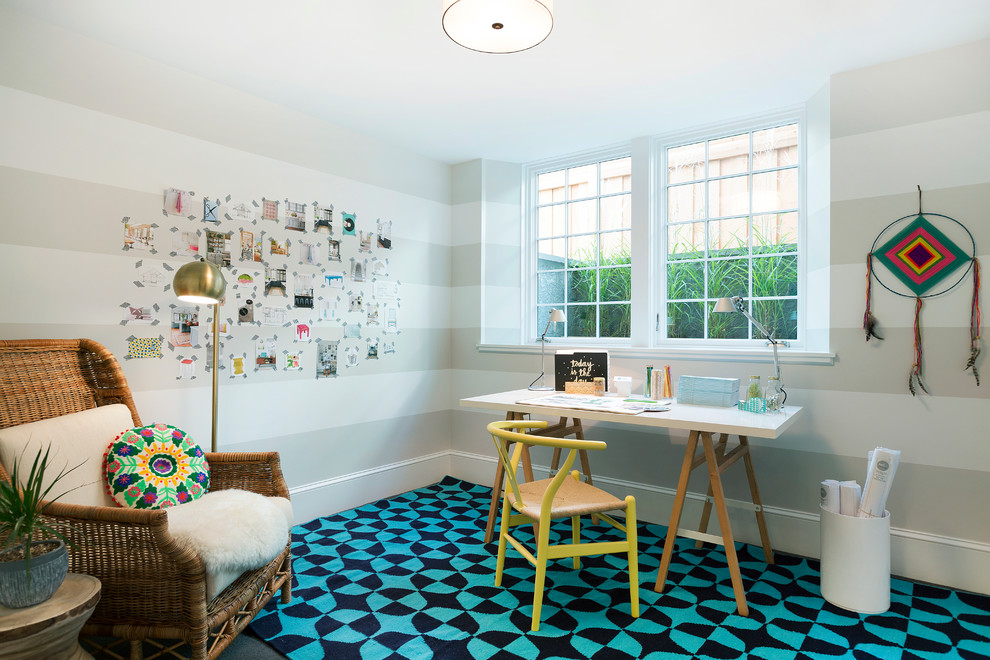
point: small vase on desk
(754, 390)
(773, 394)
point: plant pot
(47, 573)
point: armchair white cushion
(79, 438)
(232, 531)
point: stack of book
(703, 391)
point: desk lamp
(556, 316)
(736, 304)
(202, 283)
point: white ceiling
(611, 70)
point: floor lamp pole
(216, 372)
(201, 283)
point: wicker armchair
(153, 588)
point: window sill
(786, 356)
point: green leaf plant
(774, 273)
(611, 281)
(22, 508)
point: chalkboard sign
(582, 366)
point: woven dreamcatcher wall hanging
(929, 264)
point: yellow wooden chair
(539, 502)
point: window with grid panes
(583, 248)
(731, 226)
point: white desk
(702, 422)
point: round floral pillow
(153, 467)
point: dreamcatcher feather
(974, 323)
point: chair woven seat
(575, 498)
(562, 496)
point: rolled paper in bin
(855, 562)
(883, 466)
(830, 495)
(849, 494)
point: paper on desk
(883, 465)
(585, 402)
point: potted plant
(30, 571)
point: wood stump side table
(50, 630)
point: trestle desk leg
(500, 479)
(754, 491)
(706, 511)
(675, 514)
(723, 521)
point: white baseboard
(942, 560)
(324, 498)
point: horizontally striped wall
(91, 133)
(921, 121)
(76, 159)
(875, 133)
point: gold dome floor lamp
(202, 283)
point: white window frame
(658, 155)
(649, 235)
(530, 240)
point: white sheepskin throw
(232, 531)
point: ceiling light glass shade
(199, 282)
(497, 26)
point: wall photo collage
(297, 273)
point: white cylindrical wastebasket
(855, 562)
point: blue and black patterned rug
(409, 577)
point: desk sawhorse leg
(717, 461)
(559, 430)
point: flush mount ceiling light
(497, 26)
